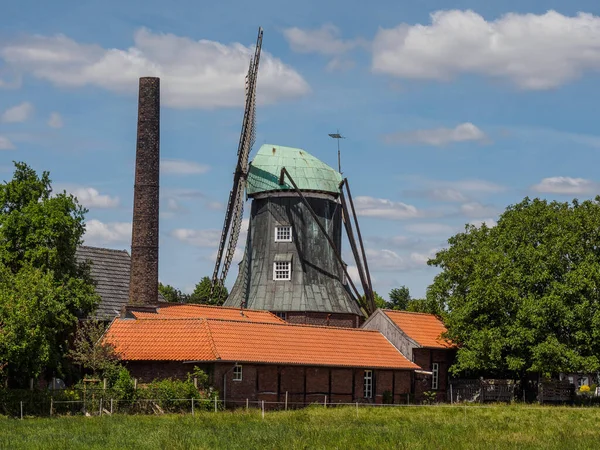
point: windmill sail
(235, 206)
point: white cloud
(325, 40)
(430, 228)
(464, 132)
(477, 186)
(181, 167)
(420, 259)
(446, 195)
(566, 186)
(91, 198)
(194, 74)
(353, 272)
(55, 120)
(6, 144)
(385, 209)
(197, 238)
(384, 260)
(490, 223)
(339, 64)
(532, 51)
(477, 210)
(100, 233)
(18, 113)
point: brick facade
(425, 358)
(304, 384)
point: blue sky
(452, 111)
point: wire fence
(108, 406)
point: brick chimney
(143, 285)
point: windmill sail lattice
(235, 205)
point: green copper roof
(308, 172)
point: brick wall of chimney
(143, 287)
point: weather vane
(338, 136)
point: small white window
(237, 373)
(368, 384)
(583, 381)
(435, 368)
(281, 315)
(282, 270)
(283, 234)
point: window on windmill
(282, 270)
(435, 369)
(368, 384)
(283, 234)
(282, 266)
(237, 373)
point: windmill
(292, 263)
(235, 205)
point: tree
(524, 296)
(171, 294)
(43, 289)
(424, 305)
(399, 298)
(202, 295)
(90, 352)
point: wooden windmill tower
(292, 263)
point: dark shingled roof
(110, 270)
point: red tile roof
(425, 329)
(195, 311)
(271, 343)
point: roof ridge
(211, 340)
(89, 247)
(255, 322)
(202, 305)
(298, 325)
(410, 312)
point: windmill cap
(308, 172)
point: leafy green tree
(524, 296)
(43, 289)
(171, 294)
(90, 352)
(399, 298)
(202, 295)
(423, 305)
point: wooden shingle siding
(110, 272)
(316, 280)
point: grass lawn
(316, 427)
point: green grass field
(316, 427)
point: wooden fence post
(286, 400)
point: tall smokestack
(143, 285)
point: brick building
(418, 337)
(262, 361)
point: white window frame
(435, 378)
(368, 384)
(281, 315)
(285, 235)
(237, 373)
(279, 271)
